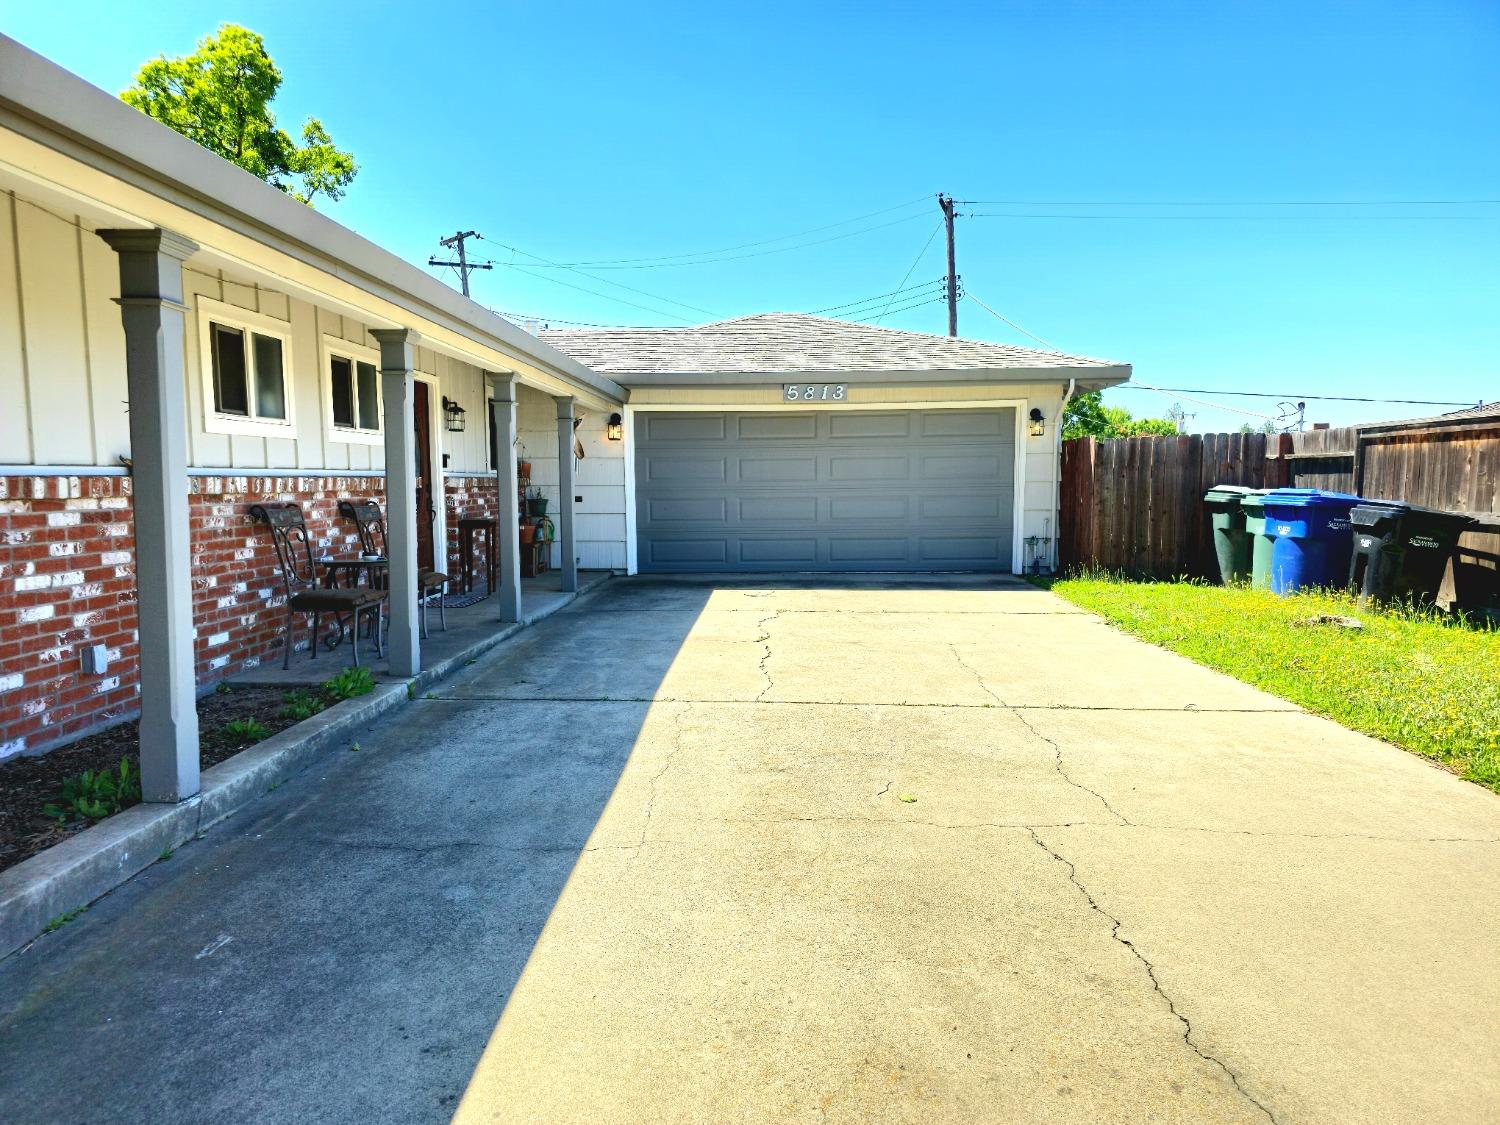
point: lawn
(1419, 680)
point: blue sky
(589, 132)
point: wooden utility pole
(463, 265)
(946, 203)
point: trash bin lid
(1383, 509)
(1226, 493)
(1309, 498)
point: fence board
(1136, 504)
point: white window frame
(335, 346)
(209, 312)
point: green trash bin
(1231, 543)
(1253, 504)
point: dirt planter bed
(29, 784)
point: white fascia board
(1092, 376)
(45, 103)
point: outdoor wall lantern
(455, 414)
(1038, 423)
(614, 429)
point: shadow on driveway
(341, 950)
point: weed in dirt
(96, 794)
(247, 730)
(348, 684)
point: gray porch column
(151, 307)
(396, 393)
(566, 545)
(508, 506)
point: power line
(1302, 397)
(747, 245)
(911, 269)
(734, 257)
(1013, 324)
(607, 296)
(880, 296)
(602, 280)
(1247, 218)
(902, 309)
(1228, 202)
(1200, 402)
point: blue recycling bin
(1312, 537)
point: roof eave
(1089, 377)
(61, 107)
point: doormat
(458, 601)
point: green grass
(1415, 678)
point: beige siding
(15, 410)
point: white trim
(328, 347)
(1019, 405)
(208, 311)
(64, 471)
(627, 415)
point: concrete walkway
(812, 851)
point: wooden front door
(426, 478)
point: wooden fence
(1136, 504)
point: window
(353, 395)
(245, 373)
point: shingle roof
(794, 343)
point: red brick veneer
(67, 579)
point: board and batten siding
(62, 362)
(599, 479)
(1041, 464)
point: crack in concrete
(1187, 1025)
(1057, 754)
(887, 788)
(671, 757)
(1190, 709)
(765, 639)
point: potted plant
(536, 503)
(528, 534)
(523, 466)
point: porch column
(508, 506)
(566, 546)
(397, 394)
(152, 310)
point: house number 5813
(814, 392)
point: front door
(426, 511)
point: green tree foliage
(220, 96)
(1087, 416)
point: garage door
(825, 490)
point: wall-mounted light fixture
(455, 415)
(614, 429)
(1038, 425)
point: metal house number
(814, 392)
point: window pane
(231, 393)
(270, 389)
(369, 398)
(343, 392)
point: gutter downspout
(1057, 477)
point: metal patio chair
(369, 523)
(304, 595)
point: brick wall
(67, 579)
(466, 497)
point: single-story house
(180, 342)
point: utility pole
(946, 203)
(463, 265)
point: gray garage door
(825, 490)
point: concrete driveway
(800, 851)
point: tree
(1087, 416)
(220, 96)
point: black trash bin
(1401, 550)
